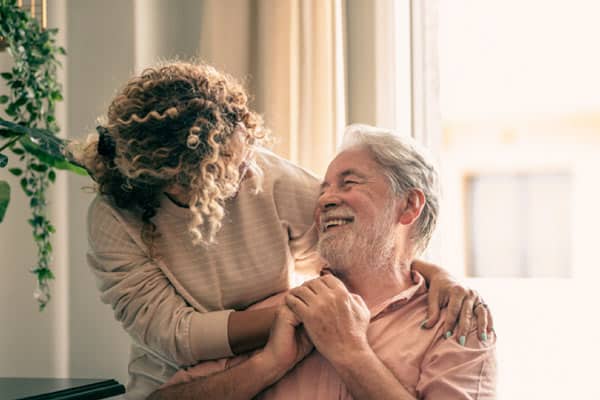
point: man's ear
(411, 206)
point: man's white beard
(360, 245)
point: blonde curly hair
(175, 125)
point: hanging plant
(35, 152)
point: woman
(195, 219)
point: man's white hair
(407, 165)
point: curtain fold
(291, 54)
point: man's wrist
(268, 364)
(350, 358)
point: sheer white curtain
(393, 74)
(292, 54)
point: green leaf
(3, 160)
(44, 274)
(18, 151)
(57, 96)
(11, 111)
(23, 183)
(16, 171)
(3, 99)
(58, 162)
(40, 138)
(39, 167)
(5, 133)
(52, 176)
(36, 221)
(4, 198)
(16, 84)
(21, 101)
(6, 75)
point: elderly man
(377, 210)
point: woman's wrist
(428, 270)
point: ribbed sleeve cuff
(209, 338)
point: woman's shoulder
(278, 170)
(103, 210)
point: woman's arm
(249, 329)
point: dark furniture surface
(58, 389)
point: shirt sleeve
(142, 297)
(452, 371)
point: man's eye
(350, 182)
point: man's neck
(377, 283)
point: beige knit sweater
(176, 308)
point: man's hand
(288, 343)
(335, 319)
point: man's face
(355, 211)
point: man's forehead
(357, 161)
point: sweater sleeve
(296, 193)
(143, 298)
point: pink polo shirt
(428, 365)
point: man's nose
(328, 200)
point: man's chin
(337, 255)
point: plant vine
(30, 103)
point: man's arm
(336, 322)
(366, 377)
(287, 345)
(229, 384)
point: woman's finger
(457, 297)
(481, 314)
(465, 320)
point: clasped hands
(324, 314)
(320, 313)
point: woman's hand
(463, 304)
(288, 342)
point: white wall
(31, 342)
(100, 58)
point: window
(518, 225)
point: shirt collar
(393, 303)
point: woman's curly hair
(174, 125)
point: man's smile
(335, 222)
